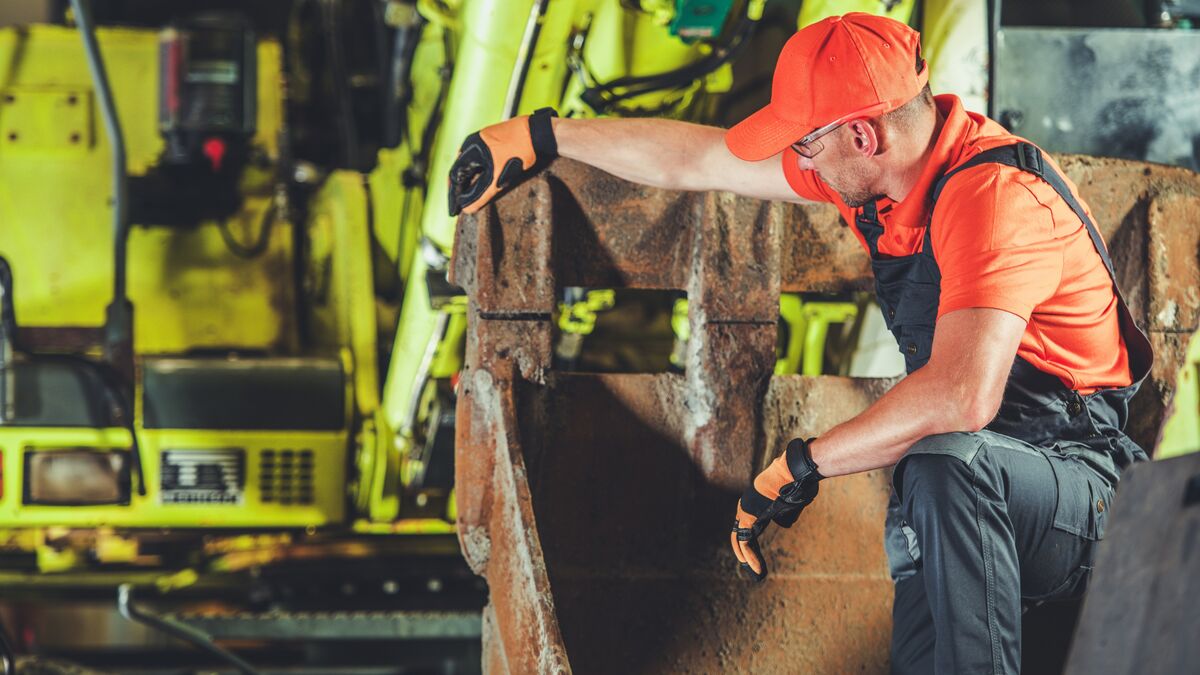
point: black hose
(400, 87)
(8, 315)
(603, 96)
(8, 337)
(340, 79)
(415, 175)
(382, 62)
(113, 384)
(116, 139)
(118, 322)
(106, 372)
(260, 243)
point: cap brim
(763, 134)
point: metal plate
(45, 118)
(1129, 93)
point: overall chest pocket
(907, 289)
(910, 311)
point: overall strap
(1027, 157)
(867, 222)
(870, 210)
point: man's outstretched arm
(670, 154)
(661, 153)
(959, 389)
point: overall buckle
(1029, 158)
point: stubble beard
(858, 199)
(854, 199)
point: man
(1006, 436)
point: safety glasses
(810, 146)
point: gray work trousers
(987, 526)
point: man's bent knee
(931, 477)
(964, 445)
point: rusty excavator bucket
(598, 506)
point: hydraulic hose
(331, 16)
(118, 326)
(604, 96)
(399, 92)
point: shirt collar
(914, 210)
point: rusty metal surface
(1150, 216)
(636, 237)
(636, 539)
(498, 529)
(598, 506)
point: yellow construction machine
(229, 348)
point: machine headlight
(76, 476)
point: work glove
(778, 494)
(519, 147)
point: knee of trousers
(931, 481)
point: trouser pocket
(1083, 498)
(1080, 517)
(900, 543)
(1071, 587)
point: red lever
(214, 150)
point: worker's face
(846, 171)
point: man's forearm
(656, 152)
(881, 435)
(960, 389)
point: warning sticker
(209, 476)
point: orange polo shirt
(1003, 239)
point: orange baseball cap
(856, 65)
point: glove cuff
(541, 132)
(800, 462)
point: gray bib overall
(1028, 495)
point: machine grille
(286, 476)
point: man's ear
(864, 136)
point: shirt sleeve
(804, 183)
(994, 239)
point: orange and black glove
(778, 494)
(498, 157)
